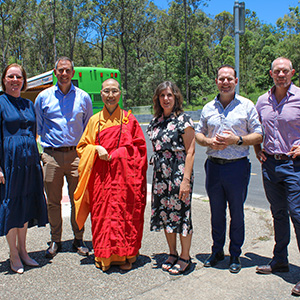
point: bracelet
(189, 180)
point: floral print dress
(168, 211)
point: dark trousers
(227, 183)
(281, 180)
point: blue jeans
(227, 183)
(281, 180)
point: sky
(268, 11)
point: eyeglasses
(18, 77)
(285, 72)
(113, 91)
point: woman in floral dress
(171, 132)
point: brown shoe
(273, 267)
(296, 289)
(127, 266)
(53, 249)
(80, 247)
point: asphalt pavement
(256, 195)
(70, 276)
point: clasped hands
(102, 153)
(221, 141)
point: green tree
(13, 23)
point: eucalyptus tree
(256, 46)
(224, 26)
(39, 52)
(202, 64)
(289, 29)
(12, 21)
(184, 24)
(70, 19)
(130, 28)
(98, 23)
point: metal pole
(237, 44)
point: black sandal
(167, 265)
(178, 269)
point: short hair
(158, 110)
(226, 66)
(281, 57)
(111, 79)
(24, 87)
(64, 58)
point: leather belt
(61, 149)
(282, 157)
(223, 161)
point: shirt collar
(291, 90)
(233, 100)
(72, 88)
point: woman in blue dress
(22, 202)
(172, 134)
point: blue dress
(22, 196)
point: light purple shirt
(281, 122)
(239, 116)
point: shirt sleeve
(254, 124)
(89, 110)
(201, 127)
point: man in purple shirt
(279, 112)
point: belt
(282, 157)
(61, 149)
(223, 161)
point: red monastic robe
(114, 192)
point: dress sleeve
(185, 121)
(38, 114)
(34, 114)
(150, 128)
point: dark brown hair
(64, 58)
(23, 74)
(177, 109)
(226, 66)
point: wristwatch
(240, 141)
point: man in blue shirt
(62, 112)
(227, 126)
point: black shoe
(213, 259)
(235, 264)
(80, 247)
(53, 249)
